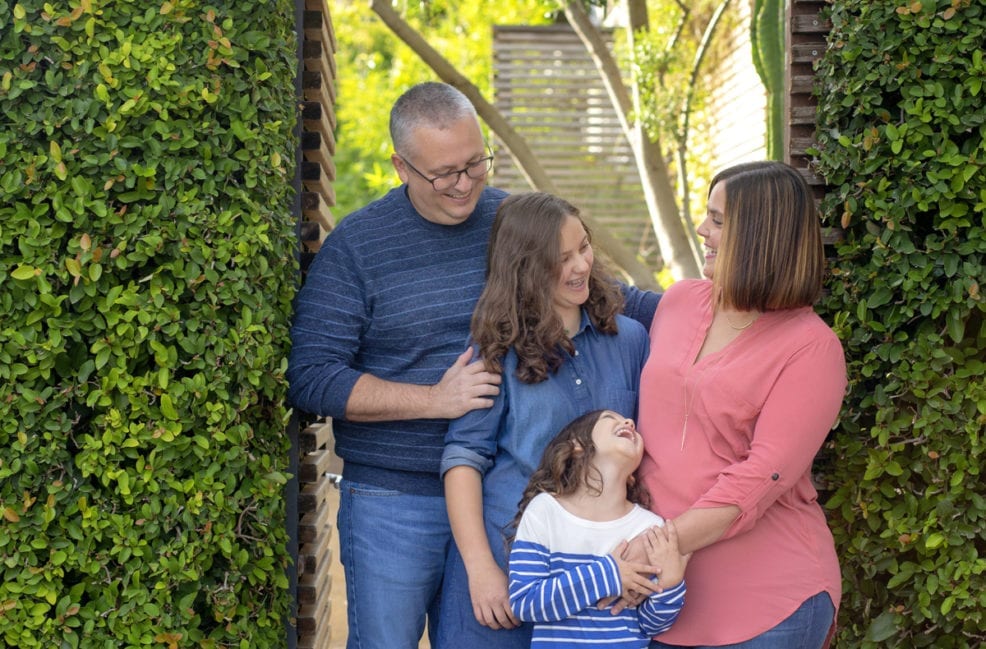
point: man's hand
(490, 598)
(465, 386)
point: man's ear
(399, 167)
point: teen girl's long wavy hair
(566, 465)
(515, 309)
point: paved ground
(337, 620)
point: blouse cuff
(454, 456)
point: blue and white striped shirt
(560, 567)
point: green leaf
(879, 297)
(934, 540)
(956, 325)
(168, 407)
(882, 628)
(24, 272)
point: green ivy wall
(146, 273)
(901, 130)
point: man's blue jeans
(806, 628)
(392, 547)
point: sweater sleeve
(539, 595)
(639, 304)
(330, 314)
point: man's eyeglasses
(444, 182)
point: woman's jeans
(392, 547)
(806, 628)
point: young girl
(580, 506)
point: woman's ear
(577, 448)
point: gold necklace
(689, 400)
(734, 327)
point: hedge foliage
(901, 129)
(146, 275)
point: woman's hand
(490, 598)
(661, 544)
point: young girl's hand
(635, 578)
(661, 544)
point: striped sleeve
(539, 593)
(658, 612)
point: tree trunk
(677, 245)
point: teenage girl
(581, 505)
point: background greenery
(901, 128)
(374, 68)
(146, 273)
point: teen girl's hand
(490, 598)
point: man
(379, 343)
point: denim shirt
(505, 442)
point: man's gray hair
(430, 105)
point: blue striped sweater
(390, 294)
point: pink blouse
(742, 427)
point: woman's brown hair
(515, 309)
(770, 256)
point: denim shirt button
(578, 381)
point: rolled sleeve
(455, 455)
(471, 439)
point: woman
(742, 386)
(548, 319)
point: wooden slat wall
(806, 44)
(806, 37)
(318, 125)
(316, 458)
(547, 87)
(314, 535)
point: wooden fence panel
(316, 459)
